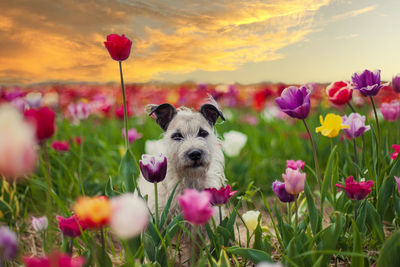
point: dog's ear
(211, 113)
(164, 114)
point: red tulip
(339, 93)
(119, 47)
(119, 112)
(56, 259)
(220, 196)
(396, 151)
(60, 145)
(356, 190)
(71, 226)
(43, 120)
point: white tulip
(233, 143)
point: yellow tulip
(331, 126)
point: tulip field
(312, 175)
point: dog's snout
(195, 154)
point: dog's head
(189, 138)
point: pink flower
(398, 183)
(294, 181)
(60, 145)
(391, 111)
(133, 135)
(70, 226)
(56, 259)
(196, 206)
(396, 151)
(79, 111)
(119, 112)
(119, 47)
(220, 196)
(356, 190)
(298, 164)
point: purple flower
(391, 111)
(220, 196)
(356, 122)
(153, 168)
(368, 82)
(12, 94)
(133, 135)
(396, 83)
(295, 102)
(279, 189)
(8, 243)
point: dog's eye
(202, 133)
(177, 136)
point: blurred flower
(133, 135)
(356, 124)
(78, 140)
(367, 82)
(56, 259)
(71, 226)
(233, 143)
(119, 112)
(260, 97)
(279, 189)
(18, 103)
(130, 215)
(95, 212)
(298, 164)
(250, 218)
(153, 147)
(396, 151)
(60, 145)
(18, 153)
(331, 126)
(34, 99)
(43, 119)
(79, 111)
(196, 206)
(269, 264)
(356, 190)
(249, 119)
(40, 224)
(8, 244)
(50, 99)
(398, 183)
(119, 47)
(295, 102)
(396, 83)
(391, 111)
(339, 93)
(271, 113)
(153, 168)
(294, 181)
(12, 94)
(220, 196)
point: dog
(193, 151)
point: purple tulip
(153, 168)
(8, 243)
(279, 189)
(391, 111)
(368, 82)
(356, 122)
(220, 196)
(396, 83)
(196, 207)
(12, 94)
(295, 102)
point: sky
(217, 41)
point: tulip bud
(153, 168)
(250, 218)
(390, 111)
(294, 181)
(119, 47)
(220, 196)
(396, 83)
(40, 224)
(280, 191)
(195, 206)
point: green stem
(351, 107)
(355, 157)
(103, 246)
(49, 203)
(314, 152)
(156, 203)
(377, 124)
(125, 109)
(296, 211)
(220, 214)
(355, 209)
(289, 214)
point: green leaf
(254, 255)
(357, 261)
(384, 195)
(389, 254)
(313, 213)
(328, 175)
(164, 214)
(129, 170)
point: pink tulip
(298, 164)
(196, 206)
(133, 135)
(294, 181)
(391, 111)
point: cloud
(354, 13)
(62, 40)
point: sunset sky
(219, 41)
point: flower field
(313, 175)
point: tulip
(79, 111)
(43, 119)
(119, 112)
(250, 218)
(18, 103)
(133, 135)
(233, 143)
(331, 126)
(398, 183)
(220, 196)
(18, 152)
(95, 212)
(130, 215)
(51, 99)
(40, 224)
(356, 124)
(396, 151)
(396, 83)
(153, 168)
(294, 181)
(13, 94)
(60, 145)
(196, 206)
(368, 82)
(356, 190)
(119, 47)
(8, 244)
(34, 100)
(56, 259)
(391, 111)
(295, 102)
(298, 164)
(71, 226)
(280, 191)
(339, 93)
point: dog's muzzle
(196, 156)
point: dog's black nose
(195, 154)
